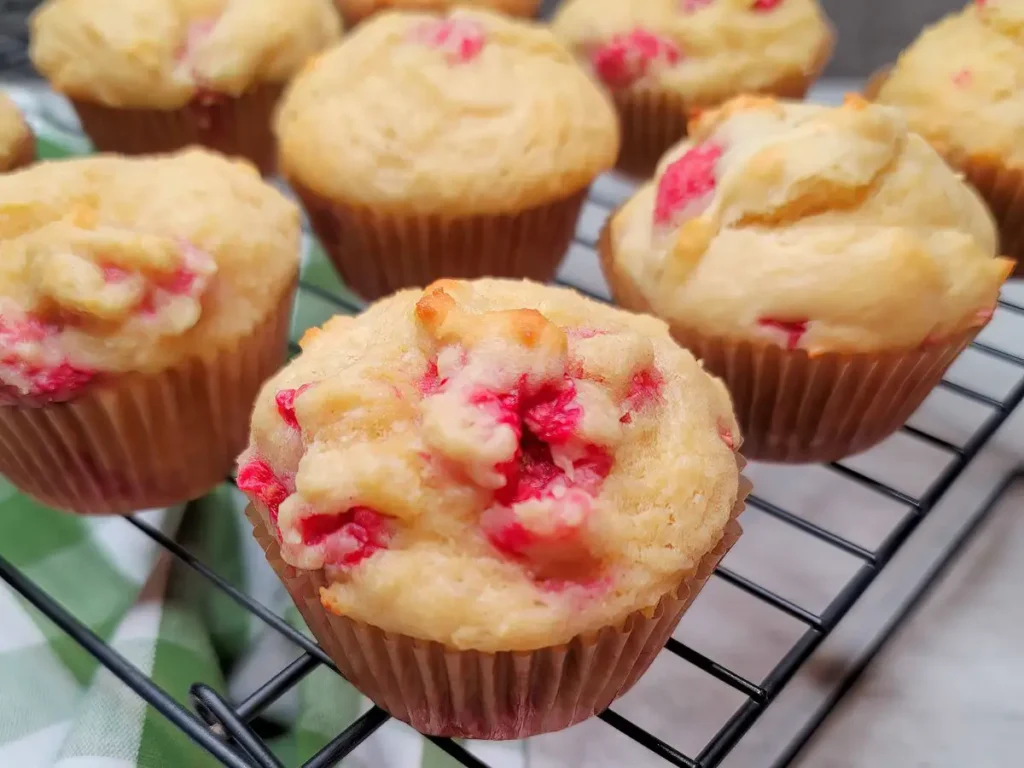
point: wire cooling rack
(223, 727)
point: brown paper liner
(1001, 186)
(377, 254)
(22, 155)
(796, 408)
(440, 691)
(654, 121)
(144, 440)
(235, 126)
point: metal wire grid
(222, 727)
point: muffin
(444, 146)
(492, 500)
(960, 86)
(143, 302)
(354, 11)
(825, 262)
(158, 75)
(17, 142)
(665, 59)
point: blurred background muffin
(825, 262)
(665, 59)
(519, 487)
(158, 75)
(17, 143)
(961, 86)
(143, 302)
(354, 11)
(428, 146)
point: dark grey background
(871, 32)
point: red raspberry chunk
(963, 79)
(115, 274)
(555, 414)
(626, 58)
(766, 5)
(687, 184)
(792, 329)
(644, 390)
(727, 437)
(285, 400)
(257, 479)
(461, 40)
(692, 6)
(348, 538)
(45, 383)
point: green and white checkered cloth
(59, 707)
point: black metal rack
(222, 727)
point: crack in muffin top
(827, 229)
(466, 113)
(161, 54)
(493, 464)
(111, 265)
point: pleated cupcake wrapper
(144, 440)
(797, 408)
(653, 121)
(1000, 185)
(377, 254)
(506, 695)
(235, 126)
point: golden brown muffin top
(828, 229)
(467, 113)
(110, 265)
(961, 83)
(493, 464)
(703, 50)
(161, 54)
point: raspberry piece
(258, 479)
(554, 415)
(538, 539)
(59, 382)
(348, 538)
(726, 434)
(461, 40)
(644, 389)
(692, 6)
(285, 400)
(687, 182)
(765, 5)
(431, 383)
(793, 329)
(115, 274)
(963, 78)
(21, 378)
(628, 57)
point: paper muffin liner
(378, 253)
(440, 691)
(235, 126)
(144, 440)
(1001, 185)
(794, 407)
(653, 121)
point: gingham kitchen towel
(59, 707)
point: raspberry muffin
(489, 177)
(961, 86)
(17, 142)
(143, 302)
(492, 500)
(825, 262)
(158, 75)
(354, 11)
(665, 59)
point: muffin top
(110, 265)
(493, 464)
(827, 229)
(357, 10)
(704, 50)
(161, 54)
(961, 83)
(467, 113)
(14, 134)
